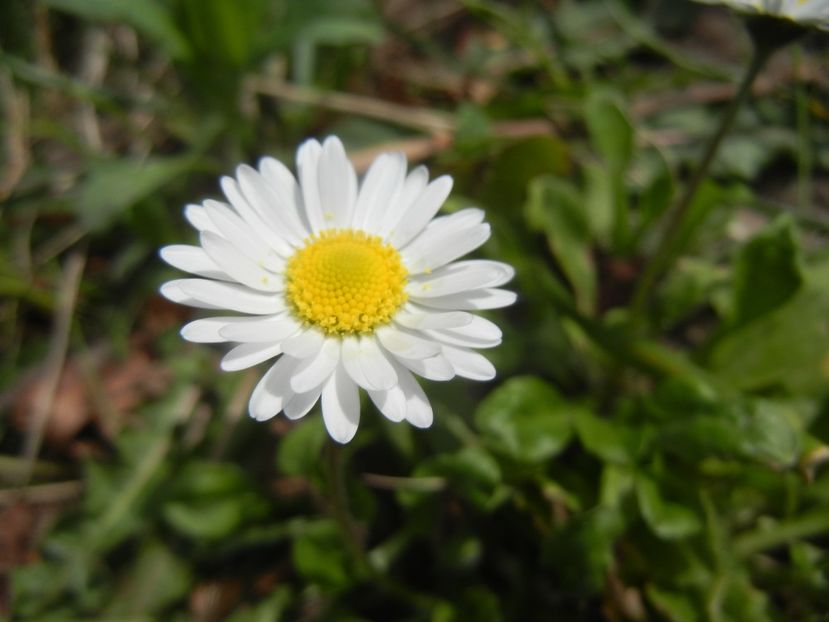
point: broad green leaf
(113, 186)
(768, 271)
(616, 483)
(606, 439)
(668, 520)
(610, 131)
(599, 203)
(208, 520)
(271, 609)
(148, 17)
(690, 286)
(613, 135)
(556, 208)
(787, 347)
(321, 556)
(674, 606)
(300, 450)
(526, 419)
(157, 579)
(211, 500)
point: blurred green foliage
(668, 466)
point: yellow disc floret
(345, 282)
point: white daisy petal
(480, 333)
(192, 259)
(340, 406)
(300, 404)
(350, 359)
(173, 292)
(286, 196)
(249, 354)
(469, 364)
(236, 264)
(433, 249)
(433, 368)
(307, 159)
(197, 216)
(231, 296)
(269, 207)
(337, 184)
(314, 371)
(476, 300)
(418, 408)
(270, 235)
(390, 215)
(304, 344)
(406, 344)
(271, 329)
(208, 330)
(417, 317)
(460, 276)
(421, 212)
(376, 366)
(273, 390)
(392, 403)
(382, 182)
(240, 233)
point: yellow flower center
(345, 282)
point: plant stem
(339, 505)
(666, 251)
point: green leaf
(675, 606)
(668, 520)
(148, 17)
(612, 134)
(321, 556)
(610, 131)
(786, 347)
(211, 500)
(271, 609)
(157, 579)
(526, 419)
(768, 271)
(604, 438)
(300, 450)
(113, 186)
(599, 203)
(556, 208)
(211, 520)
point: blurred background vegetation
(658, 462)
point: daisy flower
(806, 12)
(350, 284)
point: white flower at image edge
(806, 12)
(351, 284)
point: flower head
(806, 12)
(350, 284)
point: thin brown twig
(53, 366)
(15, 109)
(55, 492)
(424, 119)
